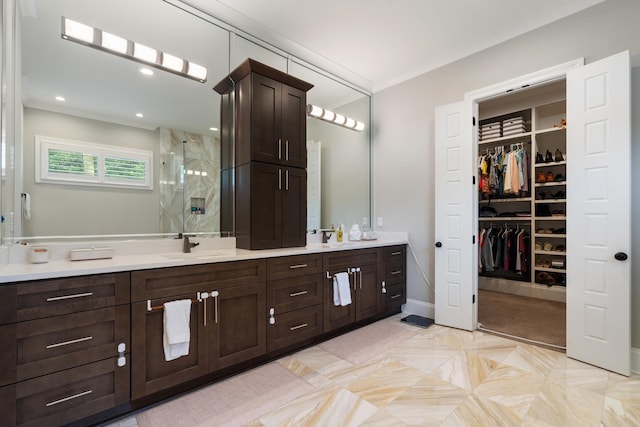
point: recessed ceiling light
(146, 71)
(60, 98)
(214, 129)
(139, 115)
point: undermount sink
(197, 255)
(339, 244)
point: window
(63, 161)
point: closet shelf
(551, 218)
(558, 253)
(542, 165)
(551, 236)
(551, 270)
(507, 200)
(549, 130)
(550, 184)
(505, 218)
(552, 201)
(507, 139)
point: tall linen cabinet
(263, 157)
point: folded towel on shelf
(342, 288)
(177, 334)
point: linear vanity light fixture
(111, 43)
(335, 118)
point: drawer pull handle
(396, 253)
(297, 294)
(64, 399)
(86, 294)
(60, 344)
(293, 328)
(393, 273)
(396, 296)
(297, 266)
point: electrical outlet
(380, 222)
(365, 221)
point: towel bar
(161, 307)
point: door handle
(438, 244)
(621, 256)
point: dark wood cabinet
(271, 206)
(366, 288)
(294, 300)
(395, 277)
(227, 322)
(263, 146)
(66, 345)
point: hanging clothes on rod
(504, 171)
(504, 249)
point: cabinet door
(266, 138)
(294, 126)
(266, 204)
(238, 318)
(150, 372)
(369, 301)
(336, 316)
(294, 208)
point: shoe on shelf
(560, 248)
(558, 195)
(548, 247)
(558, 156)
(541, 177)
(560, 231)
(539, 158)
(558, 178)
(541, 195)
(538, 246)
(548, 158)
(557, 213)
(549, 177)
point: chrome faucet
(186, 248)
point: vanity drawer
(167, 282)
(293, 327)
(294, 293)
(395, 273)
(396, 294)
(54, 297)
(48, 345)
(395, 253)
(292, 266)
(342, 260)
(64, 397)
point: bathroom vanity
(87, 346)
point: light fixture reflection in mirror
(111, 43)
(331, 117)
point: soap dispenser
(340, 233)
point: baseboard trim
(419, 308)
(635, 360)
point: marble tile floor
(447, 377)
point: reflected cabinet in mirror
(120, 125)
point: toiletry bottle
(355, 233)
(340, 233)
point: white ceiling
(379, 43)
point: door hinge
(473, 300)
(474, 180)
(473, 239)
(474, 121)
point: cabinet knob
(438, 244)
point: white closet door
(454, 218)
(598, 208)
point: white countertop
(146, 254)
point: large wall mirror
(76, 95)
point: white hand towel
(175, 339)
(26, 206)
(344, 288)
(336, 294)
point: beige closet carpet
(231, 402)
(529, 318)
(361, 345)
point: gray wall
(403, 139)
(86, 210)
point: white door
(456, 270)
(598, 208)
